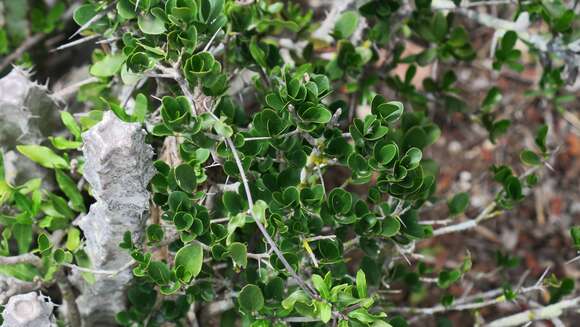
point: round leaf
(251, 298)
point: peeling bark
(118, 167)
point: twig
(469, 303)
(23, 258)
(74, 87)
(73, 315)
(101, 271)
(24, 46)
(468, 224)
(75, 42)
(548, 312)
(261, 227)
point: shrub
(252, 161)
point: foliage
(279, 243)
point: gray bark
(28, 115)
(118, 167)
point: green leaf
(185, 178)
(530, 158)
(239, 254)
(458, 204)
(508, 41)
(259, 211)
(43, 156)
(159, 272)
(70, 123)
(183, 221)
(233, 202)
(257, 53)
(150, 24)
(320, 286)
(340, 200)
(540, 138)
(575, 233)
(190, 257)
(141, 108)
(84, 13)
(223, 129)
(73, 239)
(361, 284)
(324, 311)
(448, 277)
(346, 24)
(84, 261)
(387, 153)
(69, 187)
(390, 227)
(251, 298)
(43, 243)
(439, 26)
(298, 296)
(155, 233)
(108, 66)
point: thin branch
(468, 224)
(548, 312)
(101, 271)
(73, 315)
(23, 258)
(75, 42)
(469, 303)
(261, 227)
(74, 87)
(24, 46)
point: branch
(261, 227)
(468, 224)
(469, 303)
(23, 258)
(548, 312)
(68, 296)
(110, 273)
(24, 46)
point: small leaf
(361, 284)
(391, 227)
(73, 239)
(69, 187)
(320, 286)
(108, 66)
(346, 24)
(575, 233)
(259, 211)
(70, 123)
(43, 156)
(190, 257)
(150, 24)
(530, 158)
(448, 277)
(239, 254)
(185, 178)
(233, 202)
(458, 203)
(251, 298)
(155, 233)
